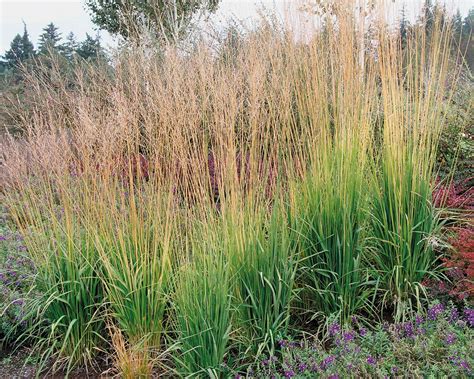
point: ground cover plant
(438, 344)
(16, 279)
(190, 211)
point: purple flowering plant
(16, 274)
(440, 344)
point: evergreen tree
(457, 22)
(403, 28)
(469, 22)
(467, 44)
(427, 16)
(27, 45)
(13, 56)
(49, 39)
(70, 47)
(21, 49)
(90, 48)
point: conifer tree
(90, 48)
(49, 39)
(21, 49)
(70, 46)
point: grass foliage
(200, 201)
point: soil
(17, 366)
(20, 365)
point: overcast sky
(71, 15)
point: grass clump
(202, 302)
(66, 319)
(135, 246)
(403, 220)
(264, 266)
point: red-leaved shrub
(460, 261)
(460, 195)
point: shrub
(455, 196)
(459, 264)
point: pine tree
(457, 22)
(49, 39)
(13, 56)
(468, 41)
(468, 24)
(90, 48)
(403, 28)
(428, 16)
(69, 48)
(27, 45)
(21, 49)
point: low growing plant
(16, 279)
(438, 344)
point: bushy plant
(459, 263)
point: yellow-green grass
(291, 167)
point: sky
(71, 15)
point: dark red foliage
(460, 195)
(460, 261)
(462, 258)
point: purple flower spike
(409, 330)
(371, 360)
(334, 329)
(469, 315)
(453, 316)
(435, 311)
(327, 362)
(450, 339)
(419, 320)
(464, 365)
(289, 374)
(302, 367)
(348, 336)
